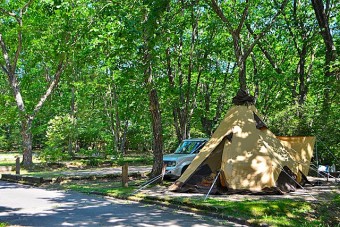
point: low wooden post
(125, 175)
(17, 165)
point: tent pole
(212, 184)
(282, 169)
(149, 182)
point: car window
(186, 147)
(199, 146)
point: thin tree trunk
(117, 127)
(123, 138)
(302, 76)
(109, 106)
(70, 139)
(242, 73)
(172, 87)
(256, 81)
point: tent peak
(243, 98)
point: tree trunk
(330, 53)
(26, 135)
(117, 127)
(241, 61)
(256, 81)
(156, 121)
(172, 87)
(70, 139)
(242, 74)
(302, 77)
(157, 133)
(322, 18)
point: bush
(60, 132)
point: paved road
(23, 205)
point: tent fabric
(250, 158)
(301, 148)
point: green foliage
(103, 42)
(297, 121)
(60, 132)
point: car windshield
(187, 147)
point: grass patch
(329, 212)
(8, 158)
(285, 212)
(107, 186)
(3, 224)
(281, 212)
(136, 160)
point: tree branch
(265, 52)
(243, 18)
(11, 68)
(221, 15)
(266, 29)
(23, 10)
(53, 84)
(4, 69)
(6, 56)
(292, 35)
(19, 19)
(19, 47)
(7, 13)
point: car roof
(196, 139)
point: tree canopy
(111, 76)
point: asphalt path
(23, 205)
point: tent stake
(212, 185)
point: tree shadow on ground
(58, 208)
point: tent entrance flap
(202, 178)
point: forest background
(107, 77)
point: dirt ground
(317, 193)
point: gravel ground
(308, 193)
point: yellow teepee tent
(247, 157)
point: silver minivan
(179, 161)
